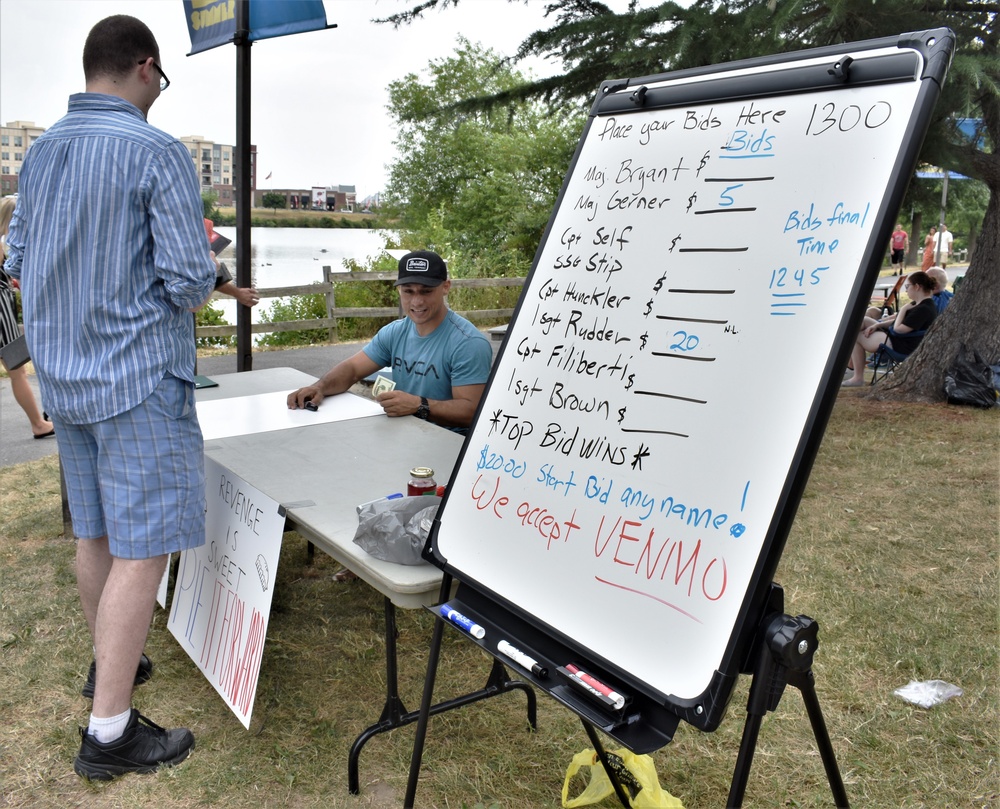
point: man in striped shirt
(108, 243)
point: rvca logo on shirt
(417, 368)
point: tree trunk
(972, 318)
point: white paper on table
(266, 412)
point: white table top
(322, 472)
(267, 380)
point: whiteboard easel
(625, 493)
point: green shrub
(365, 295)
(208, 315)
(302, 307)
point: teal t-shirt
(456, 353)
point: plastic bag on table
(396, 530)
(636, 774)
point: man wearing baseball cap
(440, 362)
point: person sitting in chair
(942, 297)
(903, 335)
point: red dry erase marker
(579, 685)
(610, 693)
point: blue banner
(213, 22)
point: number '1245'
(783, 277)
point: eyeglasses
(164, 81)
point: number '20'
(686, 342)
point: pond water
(291, 256)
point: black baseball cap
(422, 267)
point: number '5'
(815, 278)
(725, 198)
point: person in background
(248, 296)
(942, 297)
(41, 427)
(942, 247)
(915, 316)
(929, 240)
(440, 362)
(898, 244)
(109, 275)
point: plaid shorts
(138, 477)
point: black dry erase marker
(520, 657)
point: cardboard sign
(222, 598)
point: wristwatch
(424, 411)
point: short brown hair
(116, 45)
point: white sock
(108, 729)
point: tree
(488, 179)
(273, 200)
(594, 44)
(971, 91)
(967, 202)
(209, 203)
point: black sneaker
(142, 748)
(142, 673)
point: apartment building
(216, 167)
(214, 162)
(16, 138)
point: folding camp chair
(890, 303)
(888, 358)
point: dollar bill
(382, 385)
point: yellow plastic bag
(636, 774)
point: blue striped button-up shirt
(109, 245)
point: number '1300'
(829, 115)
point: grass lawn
(894, 553)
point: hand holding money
(382, 385)
(398, 403)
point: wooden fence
(334, 313)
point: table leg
(394, 713)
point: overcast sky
(318, 99)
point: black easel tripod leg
(765, 690)
(741, 773)
(425, 703)
(603, 756)
(784, 657)
(806, 684)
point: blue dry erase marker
(394, 496)
(460, 620)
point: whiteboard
(697, 287)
